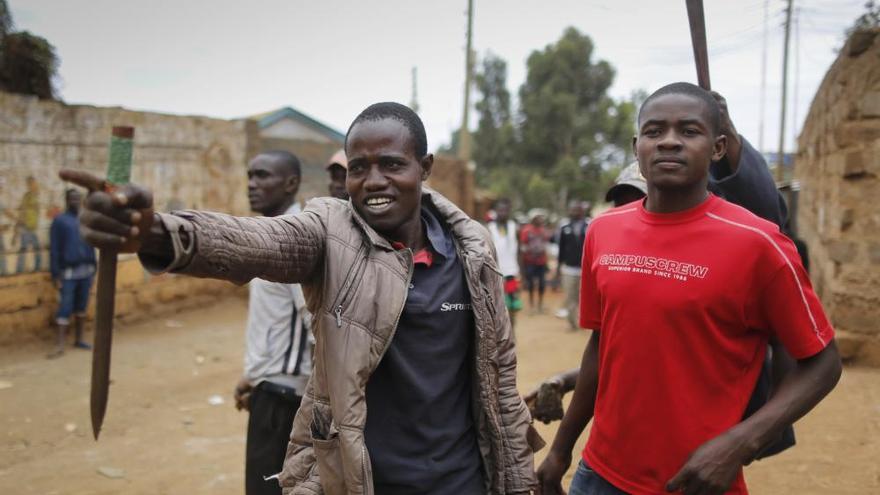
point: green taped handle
(121, 148)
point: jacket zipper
(352, 281)
(368, 480)
(368, 490)
(490, 418)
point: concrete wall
(838, 165)
(190, 162)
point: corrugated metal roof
(268, 118)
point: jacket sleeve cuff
(182, 250)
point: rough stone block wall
(28, 301)
(189, 162)
(838, 166)
(454, 179)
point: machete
(118, 173)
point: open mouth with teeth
(378, 204)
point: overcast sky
(330, 58)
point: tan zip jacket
(355, 285)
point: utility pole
(797, 74)
(464, 136)
(763, 81)
(414, 100)
(780, 159)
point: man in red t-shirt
(533, 240)
(683, 292)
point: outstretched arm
(281, 249)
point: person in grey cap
(337, 167)
(629, 186)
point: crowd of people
(380, 353)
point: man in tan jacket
(414, 381)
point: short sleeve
(590, 301)
(789, 309)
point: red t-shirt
(533, 241)
(685, 304)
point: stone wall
(838, 165)
(189, 162)
(454, 179)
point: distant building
(312, 141)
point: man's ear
(635, 140)
(719, 148)
(292, 185)
(427, 163)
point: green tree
(493, 141)
(570, 127)
(28, 63)
(6, 24)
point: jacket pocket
(349, 287)
(330, 465)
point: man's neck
(674, 200)
(412, 235)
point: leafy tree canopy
(566, 132)
(28, 63)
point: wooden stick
(697, 23)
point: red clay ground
(162, 436)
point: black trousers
(269, 424)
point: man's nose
(669, 139)
(375, 180)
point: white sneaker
(561, 313)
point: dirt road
(165, 432)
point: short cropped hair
(287, 159)
(401, 113)
(713, 110)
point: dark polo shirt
(420, 432)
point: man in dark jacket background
(72, 264)
(570, 239)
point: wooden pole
(464, 135)
(697, 23)
(780, 158)
(763, 80)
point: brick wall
(454, 179)
(838, 165)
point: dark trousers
(269, 424)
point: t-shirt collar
(680, 216)
(439, 246)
